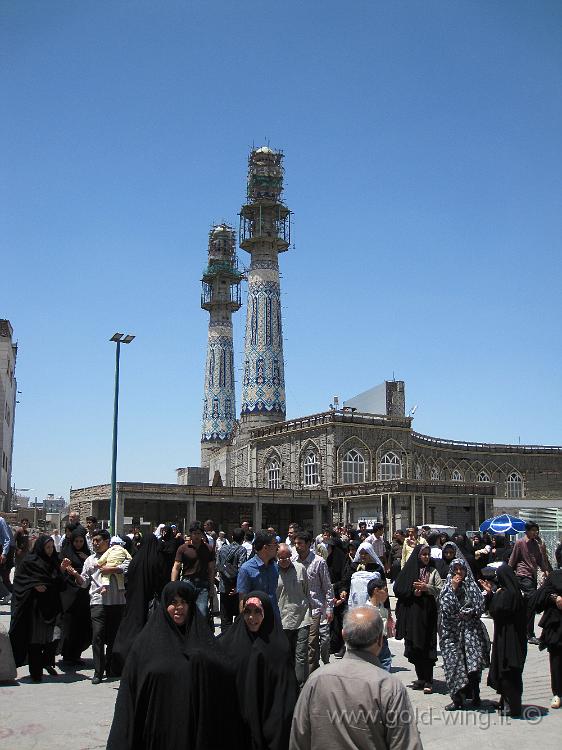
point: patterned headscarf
(468, 593)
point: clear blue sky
(423, 147)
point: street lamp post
(119, 339)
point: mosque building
(362, 460)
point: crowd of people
(147, 605)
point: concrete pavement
(69, 710)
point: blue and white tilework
(219, 408)
(263, 383)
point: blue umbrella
(504, 524)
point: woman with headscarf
(338, 563)
(66, 541)
(548, 599)
(482, 546)
(508, 610)
(465, 646)
(449, 552)
(416, 589)
(149, 571)
(467, 551)
(173, 681)
(76, 619)
(36, 605)
(266, 683)
(501, 549)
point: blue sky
(423, 145)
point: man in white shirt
(290, 540)
(221, 541)
(248, 543)
(91, 525)
(106, 608)
(208, 527)
(57, 539)
(376, 540)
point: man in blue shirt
(260, 573)
(7, 548)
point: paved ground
(69, 710)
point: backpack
(229, 568)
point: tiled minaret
(221, 297)
(264, 233)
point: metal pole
(112, 503)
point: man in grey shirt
(353, 704)
(294, 607)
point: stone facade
(378, 466)
(8, 391)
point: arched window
(435, 474)
(457, 476)
(418, 474)
(484, 477)
(273, 473)
(353, 467)
(311, 469)
(390, 467)
(514, 486)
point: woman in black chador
(76, 619)
(508, 610)
(174, 681)
(36, 606)
(266, 684)
(148, 573)
(416, 589)
(338, 563)
(548, 599)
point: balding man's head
(362, 627)
(284, 555)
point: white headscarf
(158, 532)
(368, 547)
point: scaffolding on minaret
(265, 231)
(220, 296)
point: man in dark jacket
(229, 560)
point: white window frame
(353, 467)
(514, 485)
(435, 474)
(457, 476)
(483, 476)
(390, 467)
(311, 469)
(273, 472)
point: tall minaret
(264, 232)
(221, 297)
